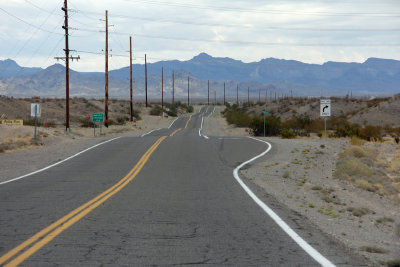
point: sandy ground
(299, 174)
(55, 144)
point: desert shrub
(287, 133)
(31, 122)
(272, 125)
(393, 263)
(238, 118)
(352, 167)
(156, 111)
(356, 141)
(353, 151)
(371, 132)
(122, 120)
(366, 185)
(112, 122)
(373, 249)
(136, 114)
(86, 122)
(359, 212)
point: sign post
(325, 110)
(36, 111)
(264, 112)
(97, 117)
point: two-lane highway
(167, 198)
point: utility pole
(66, 58)
(130, 70)
(259, 95)
(162, 89)
(291, 94)
(173, 87)
(188, 91)
(215, 97)
(224, 94)
(208, 97)
(237, 94)
(266, 95)
(145, 74)
(248, 96)
(106, 77)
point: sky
(310, 31)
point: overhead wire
(247, 26)
(269, 11)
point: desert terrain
(315, 177)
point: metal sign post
(97, 117)
(36, 112)
(325, 110)
(264, 112)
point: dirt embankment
(321, 179)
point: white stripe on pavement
(282, 224)
(55, 164)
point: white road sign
(38, 110)
(325, 108)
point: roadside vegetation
(304, 125)
(171, 110)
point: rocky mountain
(373, 77)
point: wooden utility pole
(208, 95)
(188, 92)
(224, 94)
(66, 58)
(106, 77)
(130, 70)
(259, 95)
(162, 89)
(237, 94)
(145, 76)
(173, 87)
(248, 96)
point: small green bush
(373, 249)
(359, 212)
(287, 134)
(393, 263)
(352, 167)
(156, 111)
(86, 122)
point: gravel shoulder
(55, 144)
(299, 174)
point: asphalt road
(175, 202)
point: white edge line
(283, 225)
(150, 132)
(59, 162)
(211, 113)
(201, 126)
(173, 122)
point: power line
(247, 26)
(272, 11)
(27, 23)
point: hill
(375, 77)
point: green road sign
(97, 117)
(265, 112)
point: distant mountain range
(373, 77)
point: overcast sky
(249, 30)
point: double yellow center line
(187, 123)
(23, 251)
(174, 132)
